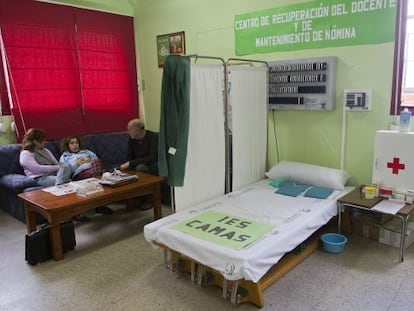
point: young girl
(39, 163)
(84, 164)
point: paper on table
(389, 207)
(61, 189)
(72, 186)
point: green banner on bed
(223, 229)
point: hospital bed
(247, 239)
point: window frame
(400, 60)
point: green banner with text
(314, 25)
(226, 230)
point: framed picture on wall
(172, 43)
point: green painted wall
(313, 137)
(7, 136)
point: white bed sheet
(294, 220)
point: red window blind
(71, 71)
(108, 69)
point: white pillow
(309, 174)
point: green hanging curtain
(174, 123)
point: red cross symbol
(395, 165)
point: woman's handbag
(38, 247)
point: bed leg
(166, 261)
(169, 261)
(193, 272)
(233, 298)
(200, 272)
(225, 283)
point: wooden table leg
(56, 240)
(30, 217)
(157, 201)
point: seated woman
(84, 163)
(39, 162)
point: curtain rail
(247, 60)
(196, 56)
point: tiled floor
(114, 268)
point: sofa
(111, 148)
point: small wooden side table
(354, 199)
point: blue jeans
(62, 176)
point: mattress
(243, 233)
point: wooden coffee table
(59, 208)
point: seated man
(142, 149)
(142, 154)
